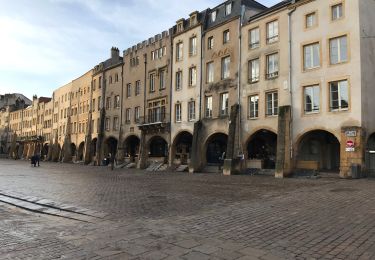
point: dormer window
(193, 20)
(228, 9)
(180, 27)
(213, 16)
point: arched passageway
(158, 147)
(73, 149)
(320, 147)
(131, 147)
(45, 150)
(216, 147)
(262, 146)
(80, 152)
(93, 146)
(181, 148)
(110, 148)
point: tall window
(162, 79)
(253, 106)
(128, 115)
(225, 67)
(152, 82)
(115, 124)
(272, 103)
(179, 51)
(178, 112)
(337, 12)
(213, 16)
(128, 90)
(193, 46)
(110, 79)
(224, 104)
(210, 43)
(254, 38)
(116, 77)
(226, 36)
(311, 56)
(137, 87)
(209, 107)
(339, 95)
(272, 66)
(107, 124)
(191, 110)
(228, 9)
(312, 99)
(93, 105)
(117, 101)
(100, 82)
(137, 113)
(192, 76)
(272, 32)
(178, 80)
(99, 102)
(338, 49)
(253, 70)
(310, 20)
(108, 103)
(210, 72)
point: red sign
(349, 143)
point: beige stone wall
(280, 83)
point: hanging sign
(350, 147)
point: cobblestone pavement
(180, 216)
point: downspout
(290, 61)
(145, 88)
(201, 75)
(239, 78)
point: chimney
(115, 53)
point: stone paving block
(195, 256)
(189, 243)
(249, 251)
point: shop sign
(351, 133)
(350, 146)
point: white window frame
(192, 76)
(193, 46)
(253, 106)
(228, 9)
(179, 80)
(342, 93)
(152, 82)
(337, 11)
(178, 113)
(310, 20)
(210, 43)
(254, 38)
(210, 72)
(340, 45)
(191, 110)
(128, 115)
(273, 31)
(272, 62)
(272, 103)
(225, 67)
(254, 71)
(208, 113)
(226, 36)
(179, 51)
(313, 92)
(224, 104)
(311, 56)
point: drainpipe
(290, 61)
(201, 74)
(239, 77)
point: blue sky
(44, 44)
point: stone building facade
(238, 86)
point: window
(272, 104)
(209, 107)
(137, 113)
(178, 80)
(99, 102)
(152, 55)
(312, 99)
(156, 111)
(339, 95)
(178, 112)
(337, 12)
(152, 82)
(108, 103)
(225, 67)
(338, 49)
(193, 46)
(117, 101)
(107, 124)
(310, 20)
(94, 85)
(228, 9)
(272, 32)
(213, 16)
(128, 90)
(137, 87)
(93, 105)
(100, 82)
(210, 72)
(162, 79)
(115, 124)
(224, 103)
(191, 110)
(192, 76)
(180, 27)
(128, 115)
(253, 70)
(210, 43)
(272, 66)
(179, 51)
(116, 77)
(193, 20)
(254, 38)
(226, 37)
(110, 81)
(311, 56)
(254, 106)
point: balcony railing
(154, 118)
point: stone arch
(80, 152)
(158, 147)
(45, 150)
(319, 147)
(181, 147)
(131, 147)
(214, 148)
(261, 149)
(110, 147)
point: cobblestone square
(70, 211)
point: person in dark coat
(33, 160)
